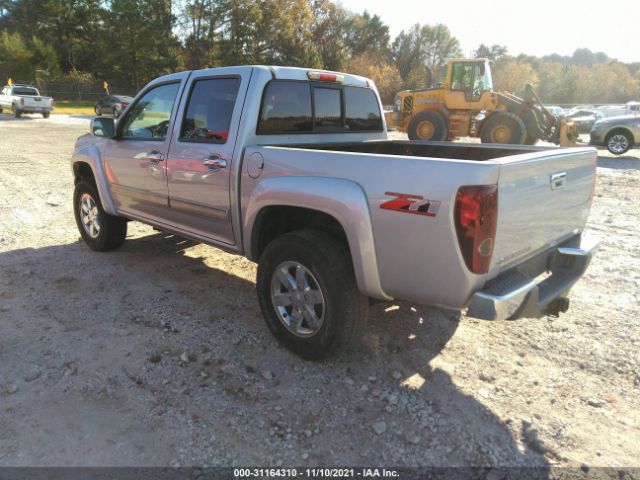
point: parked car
(618, 134)
(24, 99)
(112, 104)
(584, 119)
(555, 110)
(293, 169)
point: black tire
(116, 111)
(45, 114)
(16, 111)
(505, 128)
(112, 230)
(344, 308)
(97, 110)
(619, 142)
(428, 125)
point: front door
(200, 157)
(135, 160)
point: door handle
(155, 157)
(214, 162)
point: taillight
(476, 218)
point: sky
(538, 27)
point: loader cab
(468, 80)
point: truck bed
(445, 150)
(534, 213)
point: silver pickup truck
(293, 169)
(24, 99)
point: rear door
(135, 161)
(543, 198)
(202, 151)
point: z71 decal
(415, 204)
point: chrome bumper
(515, 294)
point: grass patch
(74, 107)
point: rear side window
(209, 110)
(287, 108)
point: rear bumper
(516, 293)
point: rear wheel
(428, 125)
(619, 142)
(16, 111)
(99, 230)
(116, 111)
(45, 114)
(97, 110)
(308, 294)
(503, 128)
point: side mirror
(103, 127)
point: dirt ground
(156, 354)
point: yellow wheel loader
(465, 105)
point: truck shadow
(624, 162)
(180, 340)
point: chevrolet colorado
(292, 168)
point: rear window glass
(287, 108)
(24, 91)
(362, 112)
(328, 107)
(209, 110)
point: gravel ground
(157, 354)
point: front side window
(209, 110)
(149, 117)
(462, 77)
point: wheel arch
(281, 204)
(86, 164)
(620, 129)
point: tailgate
(42, 102)
(543, 198)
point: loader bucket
(568, 133)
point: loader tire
(428, 125)
(505, 128)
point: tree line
(129, 42)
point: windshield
(24, 91)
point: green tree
(422, 52)
(492, 53)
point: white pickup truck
(293, 169)
(24, 99)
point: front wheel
(428, 125)
(308, 294)
(619, 143)
(16, 111)
(503, 127)
(99, 230)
